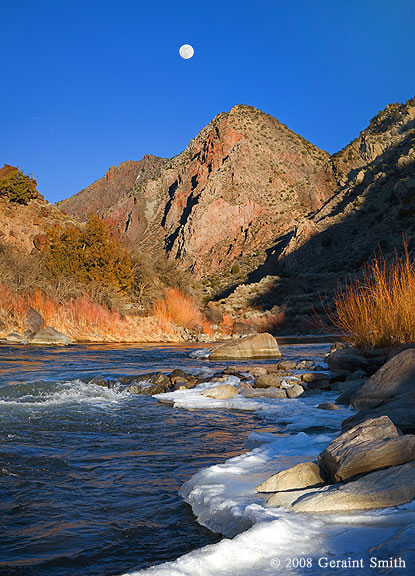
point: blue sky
(89, 84)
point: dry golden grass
(179, 309)
(379, 310)
(81, 319)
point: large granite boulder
(222, 392)
(347, 390)
(49, 336)
(401, 410)
(304, 475)
(347, 359)
(286, 499)
(395, 378)
(256, 346)
(369, 446)
(33, 320)
(382, 489)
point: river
(90, 476)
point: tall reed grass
(79, 318)
(378, 310)
(178, 308)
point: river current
(90, 476)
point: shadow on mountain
(361, 220)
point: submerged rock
(50, 336)
(327, 406)
(304, 475)
(257, 346)
(271, 392)
(374, 444)
(222, 392)
(381, 489)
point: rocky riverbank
(369, 465)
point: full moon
(186, 51)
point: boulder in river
(287, 365)
(256, 346)
(306, 365)
(328, 406)
(304, 475)
(381, 489)
(49, 336)
(271, 392)
(222, 392)
(369, 446)
(294, 391)
(267, 380)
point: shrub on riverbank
(86, 285)
(378, 310)
(88, 255)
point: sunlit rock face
(242, 182)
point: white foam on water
(71, 392)
(201, 353)
(194, 400)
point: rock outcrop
(304, 475)
(395, 378)
(369, 446)
(49, 336)
(382, 489)
(283, 211)
(256, 346)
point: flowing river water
(97, 481)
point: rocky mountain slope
(263, 217)
(245, 180)
(23, 225)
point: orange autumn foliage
(178, 308)
(378, 310)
